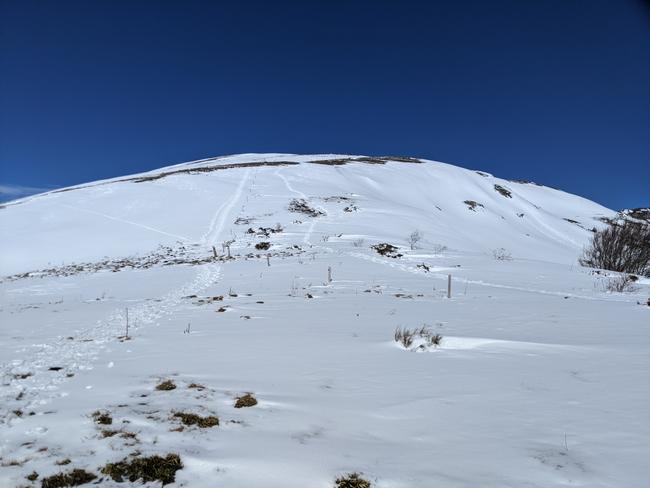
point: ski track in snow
(124, 221)
(312, 224)
(82, 352)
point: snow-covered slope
(539, 379)
(119, 217)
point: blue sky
(553, 91)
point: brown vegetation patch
(352, 480)
(152, 468)
(194, 419)
(75, 477)
(247, 400)
(166, 385)
(102, 418)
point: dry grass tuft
(194, 419)
(102, 418)
(166, 385)
(247, 400)
(406, 337)
(152, 468)
(75, 477)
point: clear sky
(555, 91)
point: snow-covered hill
(465, 210)
(539, 380)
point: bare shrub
(620, 284)
(414, 238)
(439, 248)
(621, 247)
(502, 254)
(358, 242)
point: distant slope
(370, 198)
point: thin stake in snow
(329, 274)
(448, 286)
(126, 336)
(268, 260)
(214, 251)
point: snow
(540, 379)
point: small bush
(166, 385)
(33, 476)
(193, 419)
(620, 284)
(358, 242)
(501, 254)
(414, 238)
(620, 247)
(262, 246)
(352, 480)
(247, 400)
(438, 248)
(152, 468)
(75, 477)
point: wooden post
(127, 324)
(448, 286)
(214, 251)
(268, 260)
(228, 251)
(329, 274)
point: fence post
(448, 286)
